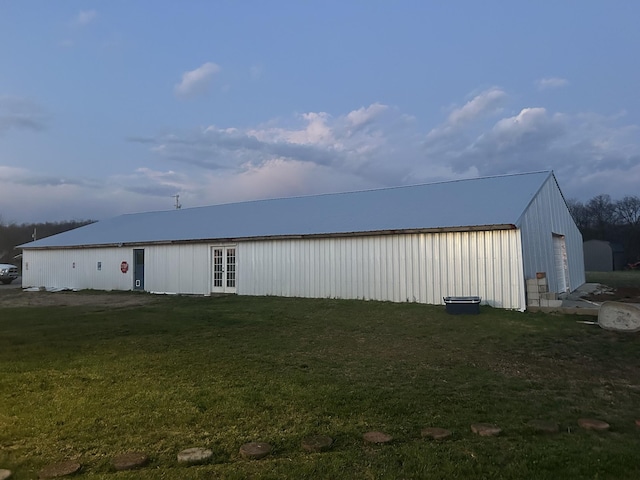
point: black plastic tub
(462, 305)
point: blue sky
(113, 107)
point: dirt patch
(620, 294)
(19, 298)
(16, 297)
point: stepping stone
(255, 450)
(543, 426)
(194, 455)
(619, 317)
(129, 461)
(435, 433)
(486, 429)
(317, 443)
(61, 469)
(593, 424)
(4, 474)
(377, 437)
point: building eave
(467, 228)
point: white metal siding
(410, 267)
(548, 215)
(77, 268)
(177, 268)
(168, 268)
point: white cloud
(486, 102)
(533, 122)
(364, 115)
(316, 131)
(316, 152)
(480, 104)
(196, 82)
(391, 150)
(551, 82)
(277, 177)
(85, 17)
(315, 137)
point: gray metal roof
(474, 203)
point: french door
(224, 269)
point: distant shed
(603, 256)
(478, 237)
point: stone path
(255, 450)
(486, 429)
(543, 426)
(593, 424)
(377, 437)
(61, 469)
(129, 461)
(311, 444)
(317, 443)
(195, 455)
(435, 433)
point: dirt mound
(619, 294)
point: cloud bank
(377, 145)
(370, 146)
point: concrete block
(542, 281)
(549, 295)
(533, 302)
(555, 303)
(532, 283)
(543, 288)
(533, 295)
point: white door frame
(560, 263)
(224, 268)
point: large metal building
(480, 237)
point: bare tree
(602, 215)
(615, 221)
(580, 214)
(12, 234)
(628, 210)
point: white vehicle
(8, 273)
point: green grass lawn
(90, 383)
(623, 278)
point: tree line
(617, 221)
(12, 235)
